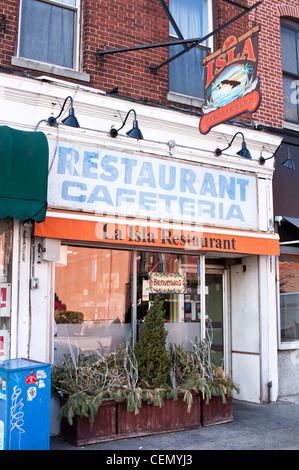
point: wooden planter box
(217, 412)
(82, 433)
(173, 416)
(113, 421)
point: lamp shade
(71, 119)
(288, 163)
(135, 132)
(244, 152)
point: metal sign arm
(173, 23)
(246, 10)
(193, 41)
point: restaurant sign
(231, 81)
(167, 283)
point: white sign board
(99, 180)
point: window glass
(182, 310)
(190, 16)
(6, 237)
(289, 298)
(92, 301)
(186, 72)
(291, 94)
(47, 32)
(289, 50)
(214, 315)
(183, 71)
(290, 65)
(95, 300)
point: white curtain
(186, 72)
(191, 16)
(47, 32)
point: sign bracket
(186, 43)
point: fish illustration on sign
(231, 83)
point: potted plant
(193, 372)
(163, 408)
(141, 390)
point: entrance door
(214, 303)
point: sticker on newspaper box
(31, 379)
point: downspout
(269, 385)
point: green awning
(23, 174)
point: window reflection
(6, 245)
(92, 301)
(182, 310)
(289, 297)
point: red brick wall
(109, 24)
(269, 15)
(9, 8)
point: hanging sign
(231, 81)
(167, 283)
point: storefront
(128, 219)
(122, 227)
(285, 196)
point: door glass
(161, 274)
(214, 315)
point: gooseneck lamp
(244, 152)
(70, 120)
(288, 163)
(135, 132)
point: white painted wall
(245, 328)
(253, 323)
(42, 299)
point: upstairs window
(290, 67)
(49, 31)
(194, 20)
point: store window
(93, 301)
(182, 305)
(6, 239)
(102, 295)
(186, 73)
(289, 297)
(290, 66)
(48, 31)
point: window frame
(284, 344)
(189, 99)
(292, 26)
(76, 49)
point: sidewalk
(255, 427)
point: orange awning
(74, 226)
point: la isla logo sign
(231, 81)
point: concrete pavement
(272, 426)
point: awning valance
(142, 233)
(23, 174)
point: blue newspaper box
(25, 400)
